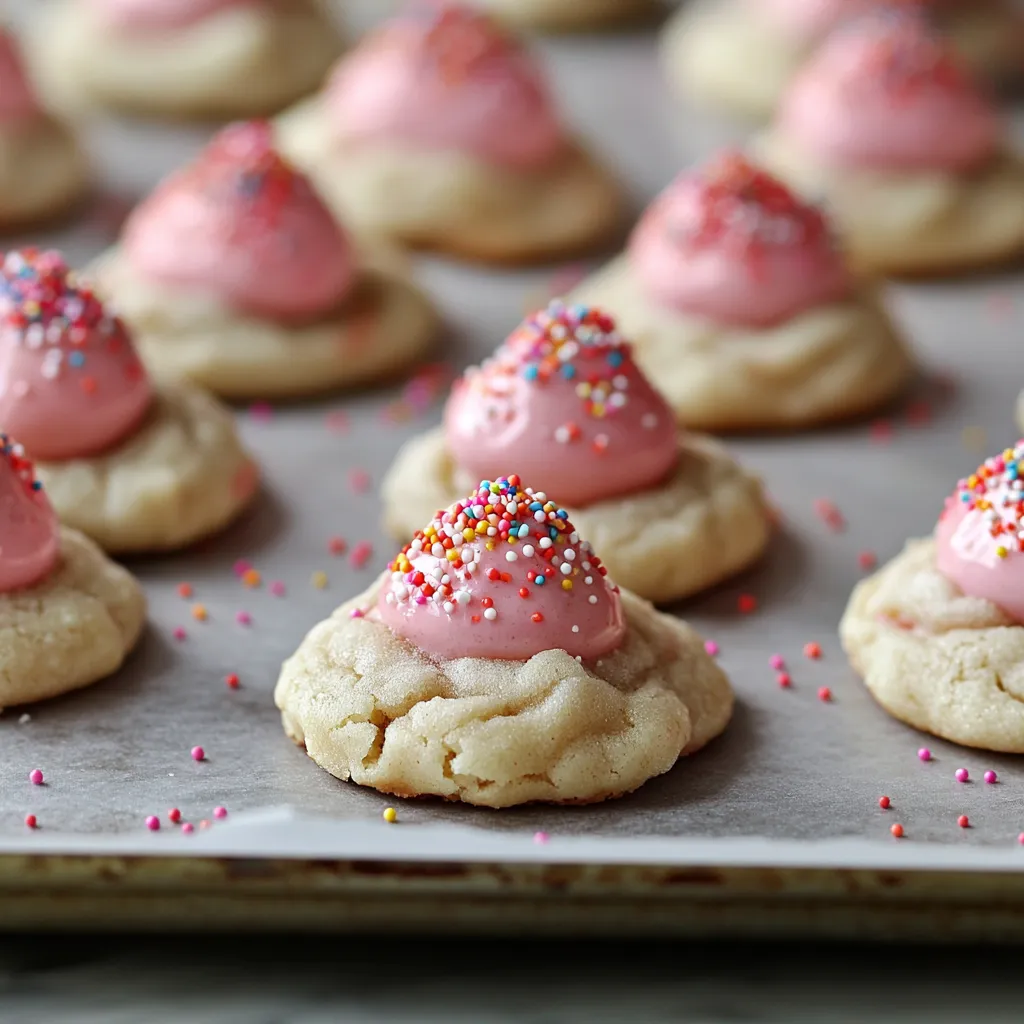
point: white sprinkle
(575, 629)
(569, 555)
(592, 599)
(545, 542)
(588, 580)
(511, 556)
(448, 607)
(566, 568)
(528, 551)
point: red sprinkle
(784, 680)
(897, 831)
(337, 545)
(185, 590)
(883, 802)
(746, 603)
(232, 681)
(828, 512)
(537, 617)
(824, 693)
(30, 821)
(867, 560)
(963, 821)
(174, 815)
(361, 554)
(812, 650)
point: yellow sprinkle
(567, 584)
(489, 545)
(319, 579)
(1001, 551)
(390, 815)
(451, 554)
(597, 411)
(481, 527)
(468, 533)
(199, 612)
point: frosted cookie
(563, 400)
(496, 663)
(569, 15)
(938, 633)
(134, 467)
(68, 615)
(183, 58)
(439, 132)
(866, 125)
(43, 172)
(740, 55)
(741, 308)
(235, 276)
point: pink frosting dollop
(446, 77)
(29, 537)
(154, 15)
(71, 383)
(731, 243)
(888, 93)
(502, 575)
(563, 402)
(18, 101)
(978, 536)
(242, 223)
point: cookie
(570, 15)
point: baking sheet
(794, 780)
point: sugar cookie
(562, 399)
(235, 276)
(440, 133)
(68, 615)
(937, 634)
(866, 125)
(134, 468)
(183, 58)
(742, 310)
(501, 670)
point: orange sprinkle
(251, 578)
(199, 612)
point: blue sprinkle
(524, 530)
(37, 485)
(76, 359)
(540, 581)
(530, 372)
(615, 359)
(562, 514)
(568, 371)
(535, 506)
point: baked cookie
(866, 124)
(569, 15)
(740, 55)
(133, 467)
(235, 276)
(43, 172)
(564, 401)
(187, 59)
(440, 133)
(496, 664)
(68, 615)
(741, 308)
(937, 634)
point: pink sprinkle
(243, 618)
(277, 588)
(35, 777)
(924, 754)
(174, 815)
(337, 420)
(356, 613)
(540, 837)
(824, 693)
(785, 680)
(204, 823)
(220, 812)
(361, 554)
(262, 411)
(31, 822)
(359, 480)
(241, 567)
(337, 545)
(188, 828)
(711, 647)
(962, 775)
(963, 821)
(198, 754)
(777, 662)
(990, 777)
(881, 431)
(867, 560)
(153, 823)
(828, 512)
(179, 633)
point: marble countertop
(230, 980)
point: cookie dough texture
(708, 521)
(181, 476)
(244, 61)
(941, 661)
(70, 630)
(370, 707)
(43, 172)
(829, 363)
(912, 223)
(452, 203)
(569, 15)
(383, 328)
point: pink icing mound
(29, 540)
(446, 77)
(980, 534)
(563, 401)
(504, 575)
(243, 224)
(71, 383)
(808, 20)
(18, 100)
(732, 244)
(151, 15)
(888, 93)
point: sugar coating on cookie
(243, 223)
(71, 383)
(730, 242)
(882, 93)
(980, 534)
(29, 539)
(502, 574)
(563, 401)
(443, 76)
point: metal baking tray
(775, 828)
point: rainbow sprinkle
(20, 465)
(996, 490)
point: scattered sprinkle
(361, 554)
(359, 480)
(962, 775)
(884, 802)
(746, 603)
(709, 646)
(963, 821)
(828, 512)
(337, 545)
(261, 411)
(243, 618)
(174, 816)
(31, 821)
(188, 828)
(812, 651)
(153, 823)
(785, 680)
(337, 421)
(540, 838)
(777, 662)
(867, 560)
(991, 777)
(824, 693)
(35, 777)
(241, 567)
(220, 813)
(199, 612)
(277, 588)
(232, 681)
(924, 754)
(319, 579)
(185, 590)
(390, 815)
(198, 754)
(897, 831)
(179, 633)
(251, 578)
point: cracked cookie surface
(370, 707)
(935, 658)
